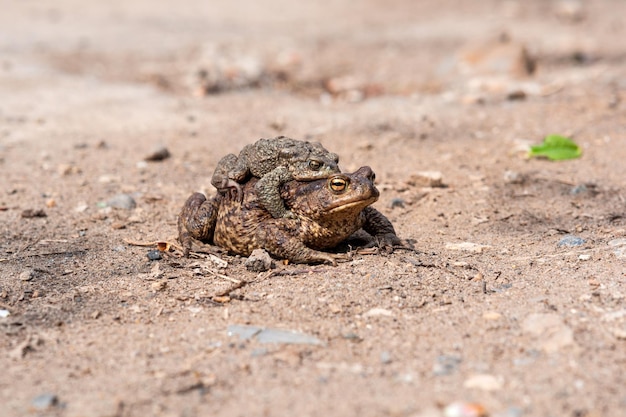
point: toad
(274, 161)
(327, 212)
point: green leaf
(556, 148)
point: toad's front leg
(377, 225)
(268, 190)
(197, 220)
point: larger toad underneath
(326, 212)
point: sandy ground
(513, 304)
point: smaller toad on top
(274, 161)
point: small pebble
(513, 177)
(512, 412)
(397, 202)
(619, 246)
(618, 242)
(118, 225)
(584, 257)
(571, 241)
(614, 315)
(258, 352)
(502, 57)
(516, 95)
(492, 315)
(620, 252)
(159, 285)
(484, 382)
(27, 275)
(44, 401)
(122, 201)
(67, 169)
(158, 154)
(571, 10)
(259, 261)
(31, 213)
(446, 365)
(219, 262)
(270, 335)
(334, 308)
(461, 409)
(376, 312)
(4, 314)
(427, 179)
(352, 336)
(82, 207)
(108, 179)
(467, 247)
(154, 255)
(385, 357)
(287, 337)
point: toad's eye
(315, 165)
(338, 184)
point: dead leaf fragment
(163, 246)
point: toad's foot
(232, 188)
(388, 241)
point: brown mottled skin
(326, 213)
(275, 161)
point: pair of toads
(288, 197)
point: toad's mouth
(346, 205)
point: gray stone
(446, 365)
(396, 202)
(154, 255)
(619, 246)
(269, 335)
(259, 261)
(45, 401)
(570, 241)
(122, 201)
(385, 357)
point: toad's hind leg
(197, 220)
(277, 238)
